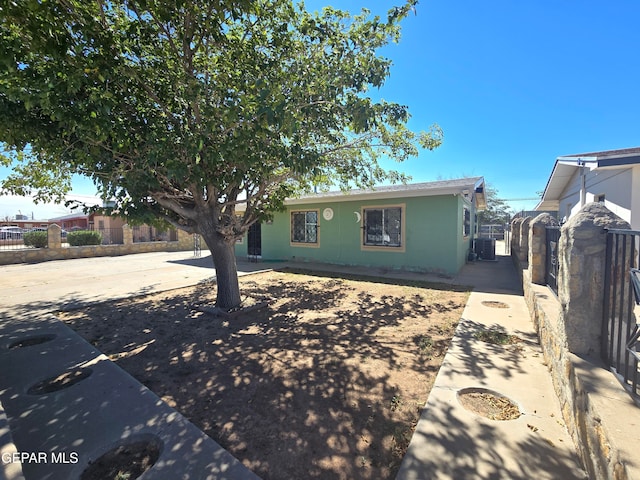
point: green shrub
(37, 239)
(84, 237)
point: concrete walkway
(450, 442)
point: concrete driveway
(59, 432)
(63, 284)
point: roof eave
(387, 194)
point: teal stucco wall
(433, 235)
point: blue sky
(513, 84)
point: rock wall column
(515, 236)
(523, 254)
(538, 246)
(127, 235)
(54, 236)
(185, 240)
(581, 253)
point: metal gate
(254, 242)
(551, 268)
(197, 249)
(620, 331)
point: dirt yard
(326, 382)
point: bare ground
(326, 382)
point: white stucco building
(611, 177)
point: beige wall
(35, 255)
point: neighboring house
(111, 228)
(420, 227)
(72, 221)
(611, 177)
(25, 224)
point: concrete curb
(10, 468)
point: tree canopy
(497, 212)
(204, 113)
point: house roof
(460, 186)
(70, 216)
(566, 166)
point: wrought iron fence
(620, 333)
(12, 237)
(552, 264)
(146, 233)
(11, 243)
(110, 236)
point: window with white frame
(382, 227)
(304, 227)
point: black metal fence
(12, 238)
(146, 233)
(620, 332)
(110, 236)
(552, 264)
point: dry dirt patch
(327, 382)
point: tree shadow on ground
(480, 450)
(479, 359)
(308, 388)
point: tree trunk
(224, 261)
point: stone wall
(537, 253)
(515, 238)
(581, 253)
(523, 250)
(596, 409)
(55, 250)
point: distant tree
(204, 113)
(497, 211)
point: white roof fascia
(373, 195)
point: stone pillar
(515, 236)
(127, 235)
(581, 253)
(523, 253)
(185, 240)
(538, 246)
(54, 236)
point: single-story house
(611, 177)
(110, 226)
(426, 227)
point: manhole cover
(60, 382)
(494, 304)
(31, 341)
(488, 404)
(129, 460)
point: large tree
(204, 113)
(497, 212)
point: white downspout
(583, 184)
